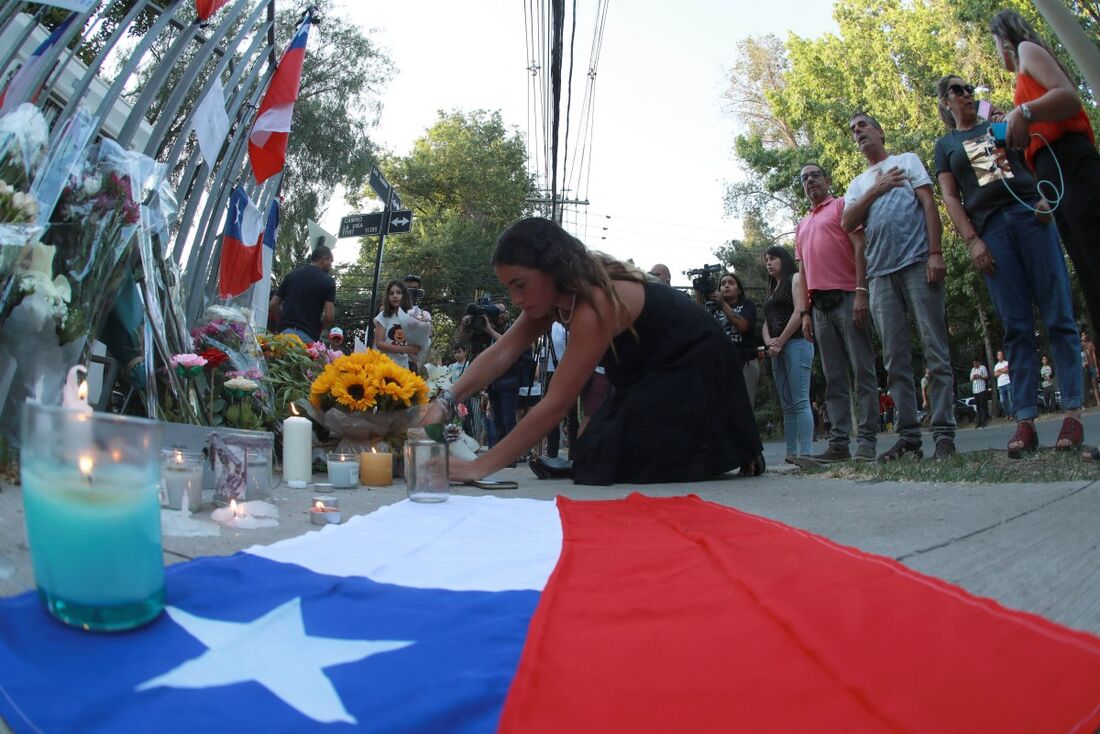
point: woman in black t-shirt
(993, 201)
(792, 356)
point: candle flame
(233, 508)
(293, 409)
(320, 506)
(85, 463)
(373, 450)
(116, 455)
(82, 392)
(179, 456)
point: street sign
(380, 185)
(361, 225)
(395, 201)
(400, 221)
(367, 225)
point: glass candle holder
(91, 504)
(343, 470)
(181, 474)
(426, 471)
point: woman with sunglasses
(992, 200)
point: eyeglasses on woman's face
(959, 90)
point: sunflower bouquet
(366, 398)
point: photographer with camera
(484, 323)
(736, 314)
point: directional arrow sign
(400, 221)
(361, 225)
(395, 201)
(380, 185)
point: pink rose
(187, 360)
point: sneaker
(835, 452)
(865, 453)
(945, 449)
(901, 449)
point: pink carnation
(462, 410)
(187, 360)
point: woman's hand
(981, 257)
(1043, 212)
(461, 470)
(434, 414)
(1018, 135)
(409, 349)
(775, 348)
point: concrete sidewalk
(1033, 547)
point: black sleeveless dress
(679, 411)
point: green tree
(465, 180)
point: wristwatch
(1025, 111)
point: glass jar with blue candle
(92, 509)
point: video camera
(703, 280)
(480, 310)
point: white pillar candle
(297, 451)
(182, 474)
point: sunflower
(399, 385)
(355, 391)
(322, 385)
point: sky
(662, 141)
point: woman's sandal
(755, 467)
(1024, 438)
(1071, 435)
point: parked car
(965, 410)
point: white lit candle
(343, 470)
(74, 395)
(297, 450)
(182, 473)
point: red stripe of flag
(206, 8)
(677, 615)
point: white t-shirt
(1003, 379)
(557, 338)
(393, 334)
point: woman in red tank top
(1050, 124)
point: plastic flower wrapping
(417, 324)
(367, 400)
(58, 292)
(463, 445)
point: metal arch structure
(122, 87)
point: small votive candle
(343, 470)
(375, 468)
(182, 474)
(325, 510)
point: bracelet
(861, 289)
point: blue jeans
(1004, 394)
(505, 402)
(791, 371)
(1031, 270)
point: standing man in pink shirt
(837, 317)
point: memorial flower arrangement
(367, 399)
(292, 366)
(464, 446)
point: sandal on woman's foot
(1071, 435)
(1023, 440)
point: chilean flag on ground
(242, 255)
(271, 131)
(486, 614)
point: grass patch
(976, 467)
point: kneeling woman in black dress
(679, 411)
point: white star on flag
(274, 651)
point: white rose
(91, 185)
(5, 188)
(241, 383)
(26, 202)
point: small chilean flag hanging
(242, 255)
(206, 8)
(271, 131)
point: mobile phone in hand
(999, 131)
